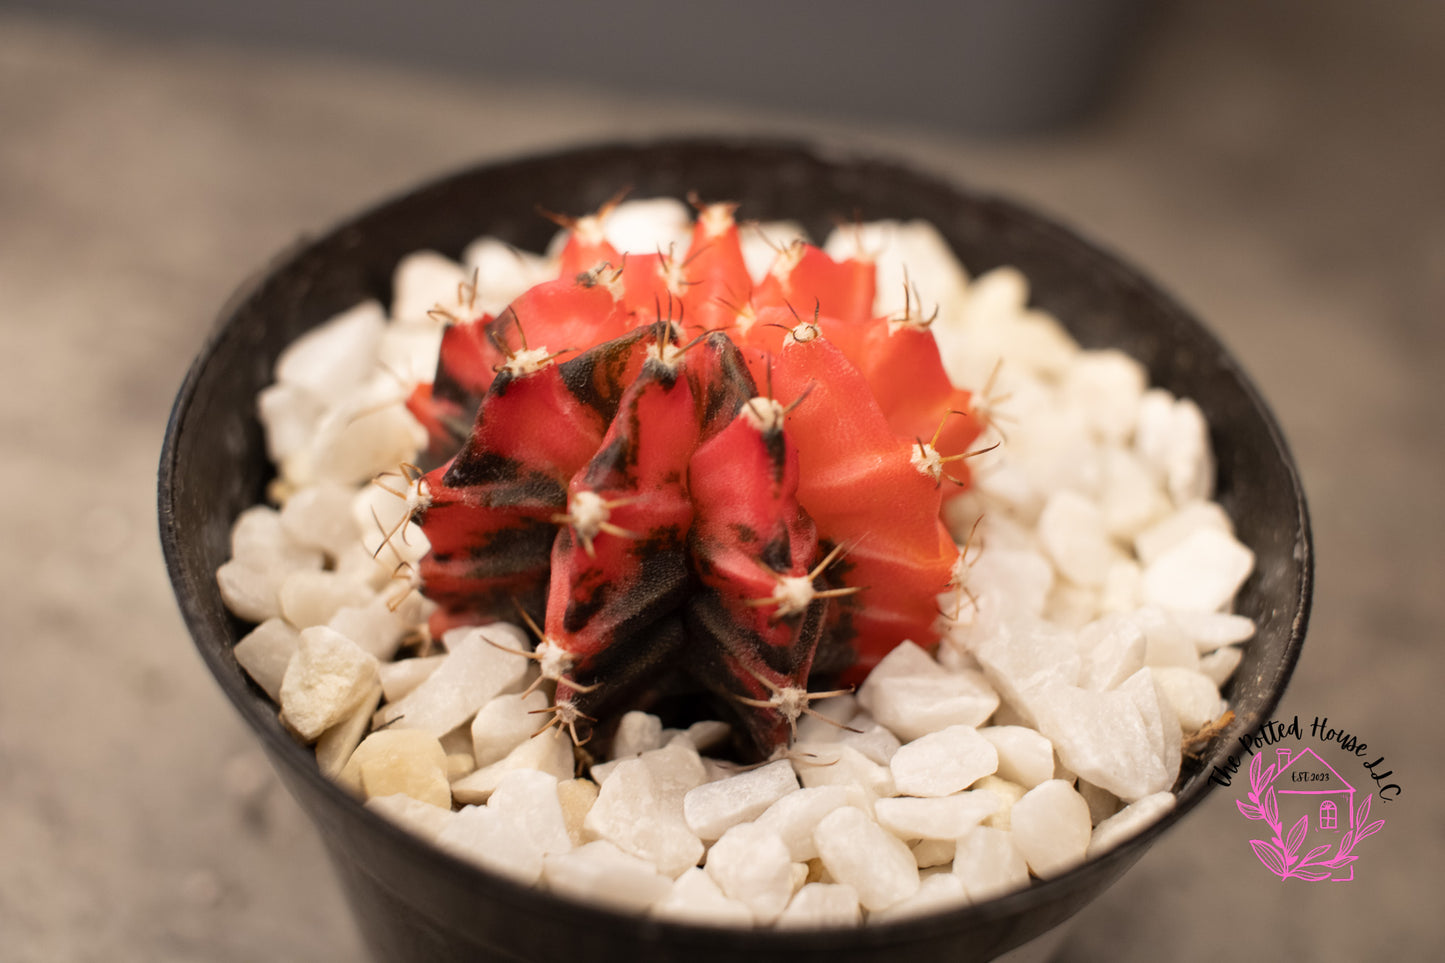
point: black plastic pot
(416, 903)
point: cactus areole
(666, 468)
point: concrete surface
(1280, 172)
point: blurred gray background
(1276, 164)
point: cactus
(669, 468)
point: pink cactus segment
(490, 516)
(720, 380)
(587, 244)
(861, 485)
(654, 286)
(811, 281)
(572, 313)
(757, 618)
(619, 566)
(718, 285)
(903, 368)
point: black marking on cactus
(776, 447)
(508, 481)
(472, 468)
(502, 381)
(746, 535)
(595, 377)
(777, 554)
(613, 462)
(582, 608)
(520, 548)
(721, 397)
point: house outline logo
(1302, 789)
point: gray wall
(973, 64)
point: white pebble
(550, 752)
(1153, 426)
(944, 762)
(859, 852)
(1102, 803)
(503, 273)
(928, 853)
(311, 597)
(1113, 739)
(1211, 630)
(914, 705)
(821, 904)
(492, 840)
(695, 898)
(290, 415)
(1007, 793)
(1025, 756)
(576, 797)
(715, 807)
(528, 799)
(1072, 606)
(482, 662)
(706, 734)
(876, 743)
(1014, 581)
(943, 817)
(1130, 498)
(1072, 531)
(421, 281)
(1106, 386)
(1113, 648)
(989, 864)
(794, 816)
(402, 676)
(365, 436)
(1021, 659)
(376, 626)
(259, 541)
(636, 811)
(410, 349)
(936, 892)
(600, 873)
(637, 732)
(1164, 641)
(751, 864)
(1189, 464)
(1130, 821)
(250, 593)
(505, 723)
(1220, 664)
(405, 761)
(413, 815)
(1201, 573)
(834, 764)
(335, 746)
(1051, 827)
(905, 659)
(264, 653)
(334, 357)
(319, 516)
(1122, 587)
(1172, 529)
(325, 679)
(1193, 697)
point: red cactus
(652, 510)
